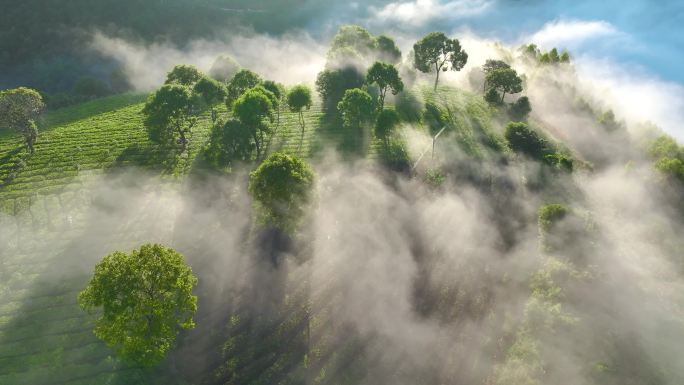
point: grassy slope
(44, 337)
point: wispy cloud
(419, 12)
(572, 33)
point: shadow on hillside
(350, 143)
(148, 156)
(11, 163)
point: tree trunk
(256, 144)
(383, 92)
(184, 141)
(503, 93)
(438, 68)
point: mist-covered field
(513, 219)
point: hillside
(49, 203)
(481, 254)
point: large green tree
(492, 65)
(184, 74)
(356, 108)
(254, 108)
(298, 99)
(332, 84)
(505, 81)
(19, 109)
(229, 142)
(282, 186)
(437, 52)
(239, 84)
(143, 299)
(170, 112)
(386, 77)
(211, 93)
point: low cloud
(290, 58)
(419, 12)
(572, 33)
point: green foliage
(354, 44)
(436, 51)
(170, 111)
(91, 87)
(145, 299)
(492, 97)
(553, 55)
(434, 117)
(666, 146)
(520, 109)
(533, 52)
(409, 106)
(210, 91)
(609, 123)
(492, 65)
(252, 108)
(224, 68)
(298, 99)
(282, 186)
(184, 74)
(277, 89)
(394, 154)
(229, 142)
(551, 214)
(505, 81)
(386, 122)
(239, 84)
(386, 77)
(521, 138)
(388, 50)
(356, 108)
(559, 161)
(671, 167)
(669, 157)
(332, 84)
(565, 57)
(19, 109)
(435, 178)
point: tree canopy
(521, 138)
(211, 92)
(356, 108)
(184, 74)
(386, 77)
(19, 109)
(385, 124)
(332, 84)
(170, 111)
(282, 186)
(229, 142)
(355, 45)
(505, 81)
(251, 109)
(241, 82)
(437, 52)
(298, 99)
(143, 300)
